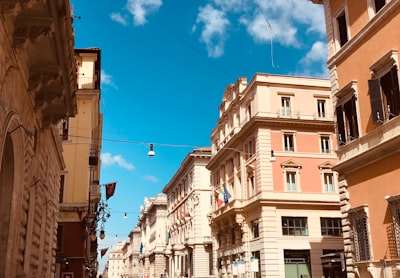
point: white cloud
(214, 30)
(117, 17)
(263, 30)
(314, 62)
(151, 178)
(140, 9)
(107, 159)
(278, 20)
(234, 5)
(106, 79)
(318, 53)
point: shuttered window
(385, 96)
(347, 121)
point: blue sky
(165, 65)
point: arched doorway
(6, 192)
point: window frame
(289, 142)
(293, 187)
(286, 106)
(322, 110)
(342, 13)
(394, 207)
(387, 64)
(291, 166)
(325, 174)
(329, 228)
(345, 126)
(63, 187)
(325, 139)
(372, 7)
(297, 230)
(360, 231)
(255, 229)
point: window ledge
(377, 144)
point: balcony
(377, 144)
(41, 34)
(95, 194)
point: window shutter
(354, 119)
(375, 96)
(396, 91)
(340, 125)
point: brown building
(37, 90)
(363, 42)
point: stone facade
(80, 188)
(37, 89)
(189, 234)
(152, 223)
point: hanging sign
(241, 268)
(235, 268)
(254, 264)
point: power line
(136, 142)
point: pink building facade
(276, 209)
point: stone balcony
(41, 35)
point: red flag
(103, 252)
(110, 189)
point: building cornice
(363, 34)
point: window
(325, 144)
(294, 226)
(254, 228)
(321, 108)
(331, 226)
(249, 149)
(230, 167)
(249, 112)
(62, 188)
(342, 28)
(379, 5)
(360, 232)
(394, 206)
(385, 96)
(285, 106)
(252, 185)
(329, 185)
(63, 129)
(346, 114)
(288, 142)
(291, 184)
(291, 172)
(233, 237)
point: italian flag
(220, 200)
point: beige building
(189, 234)
(276, 206)
(116, 264)
(37, 90)
(132, 265)
(363, 44)
(152, 223)
(80, 188)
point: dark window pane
(379, 5)
(342, 26)
(375, 96)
